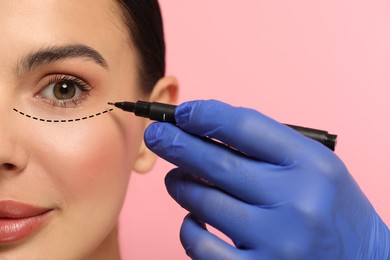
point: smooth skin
(79, 171)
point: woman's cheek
(82, 171)
(90, 160)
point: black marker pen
(154, 111)
(166, 113)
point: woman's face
(62, 184)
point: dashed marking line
(62, 121)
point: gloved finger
(267, 235)
(244, 129)
(245, 178)
(201, 244)
(222, 211)
(272, 232)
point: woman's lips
(19, 220)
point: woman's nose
(13, 156)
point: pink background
(320, 63)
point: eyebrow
(58, 53)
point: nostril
(8, 166)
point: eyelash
(84, 88)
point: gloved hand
(275, 193)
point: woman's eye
(65, 90)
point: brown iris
(64, 90)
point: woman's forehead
(27, 25)
(67, 20)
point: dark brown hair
(144, 22)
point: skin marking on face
(62, 121)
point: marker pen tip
(111, 103)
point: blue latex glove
(290, 198)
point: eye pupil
(64, 90)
